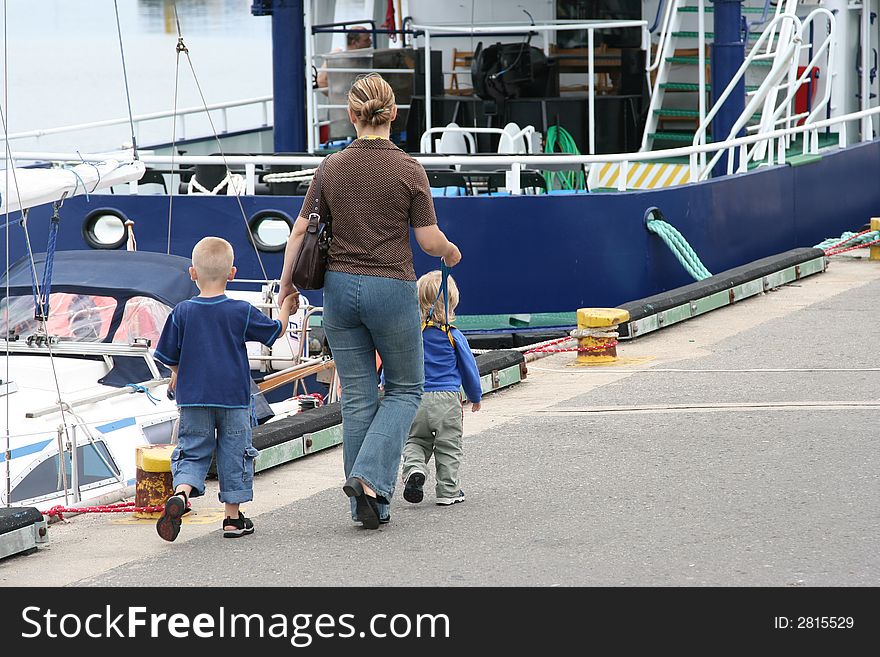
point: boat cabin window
(143, 318)
(159, 433)
(86, 317)
(80, 317)
(45, 479)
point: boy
(437, 428)
(203, 342)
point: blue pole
(288, 71)
(728, 53)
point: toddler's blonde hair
(212, 259)
(429, 287)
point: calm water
(64, 65)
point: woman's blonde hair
(371, 100)
(429, 287)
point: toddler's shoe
(242, 526)
(412, 490)
(446, 501)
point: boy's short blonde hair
(429, 287)
(212, 259)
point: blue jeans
(204, 430)
(363, 315)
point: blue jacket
(447, 368)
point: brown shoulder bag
(311, 261)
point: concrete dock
(735, 449)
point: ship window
(44, 479)
(270, 230)
(104, 229)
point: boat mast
(289, 68)
(728, 53)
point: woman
(374, 192)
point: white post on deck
(310, 90)
(591, 72)
(428, 124)
(867, 122)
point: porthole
(270, 230)
(105, 229)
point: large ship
(580, 151)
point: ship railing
(784, 67)
(783, 59)
(546, 30)
(222, 108)
(517, 162)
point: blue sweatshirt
(448, 369)
(206, 337)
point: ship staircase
(783, 52)
(780, 85)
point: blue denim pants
(204, 430)
(364, 315)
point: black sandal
(168, 524)
(243, 526)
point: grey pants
(436, 430)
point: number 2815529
(813, 622)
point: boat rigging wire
(43, 312)
(181, 46)
(232, 186)
(125, 78)
(8, 451)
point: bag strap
(316, 212)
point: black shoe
(243, 526)
(168, 524)
(385, 520)
(412, 491)
(367, 509)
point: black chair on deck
(441, 180)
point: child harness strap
(444, 292)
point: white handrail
(793, 87)
(152, 116)
(492, 159)
(758, 96)
(426, 143)
(671, 8)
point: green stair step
(693, 86)
(696, 60)
(675, 136)
(753, 36)
(711, 10)
(691, 114)
(694, 114)
(683, 86)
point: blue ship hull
(550, 254)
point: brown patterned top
(374, 192)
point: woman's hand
(452, 256)
(285, 290)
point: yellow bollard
(874, 250)
(596, 334)
(153, 483)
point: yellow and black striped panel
(641, 175)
